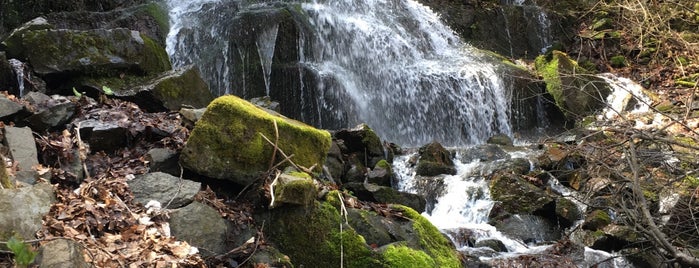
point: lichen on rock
(227, 142)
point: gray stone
(434, 160)
(8, 108)
(191, 116)
(529, 228)
(103, 136)
(22, 147)
(36, 98)
(23, 208)
(381, 175)
(163, 160)
(163, 187)
(61, 253)
(201, 226)
(500, 139)
(57, 111)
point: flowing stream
(389, 63)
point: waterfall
(18, 68)
(389, 63)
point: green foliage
(77, 94)
(24, 254)
(618, 61)
(107, 90)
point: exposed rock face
(22, 210)
(51, 113)
(227, 142)
(163, 187)
(386, 195)
(201, 226)
(435, 160)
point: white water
(265, 49)
(465, 204)
(624, 92)
(18, 68)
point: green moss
(549, 71)
(299, 174)
(333, 198)
(160, 15)
(296, 191)
(431, 240)
(227, 142)
(618, 61)
(312, 238)
(404, 257)
(383, 164)
(155, 58)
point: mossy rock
(431, 240)
(297, 190)
(171, 90)
(597, 219)
(362, 141)
(227, 143)
(567, 212)
(575, 90)
(311, 237)
(96, 52)
(516, 195)
(398, 255)
(434, 160)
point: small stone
(163, 187)
(201, 226)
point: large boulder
(516, 195)
(227, 143)
(97, 52)
(22, 210)
(575, 91)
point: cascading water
(389, 63)
(18, 68)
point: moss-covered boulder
(227, 142)
(596, 219)
(362, 142)
(434, 160)
(576, 92)
(386, 195)
(433, 242)
(381, 174)
(567, 212)
(516, 195)
(97, 52)
(169, 91)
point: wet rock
(49, 114)
(23, 151)
(386, 195)
(201, 226)
(103, 136)
(529, 228)
(517, 195)
(363, 142)
(462, 237)
(434, 160)
(431, 188)
(375, 229)
(335, 163)
(266, 102)
(8, 109)
(483, 153)
(296, 188)
(494, 244)
(227, 142)
(500, 139)
(163, 160)
(355, 172)
(170, 91)
(164, 188)
(612, 238)
(61, 253)
(381, 175)
(23, 208)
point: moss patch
(405, 257)
(431, 240)
(226, 142)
